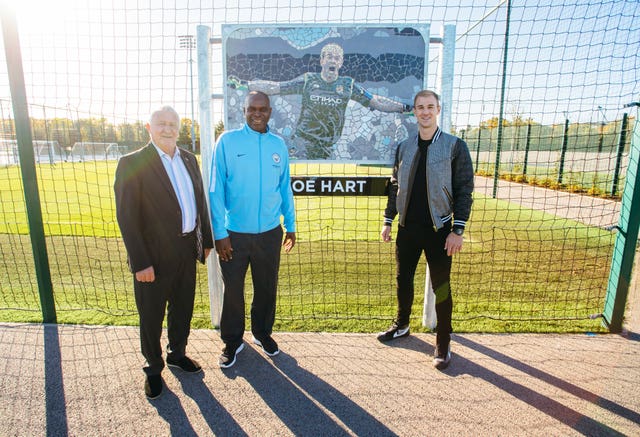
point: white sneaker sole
(226, 366)
(400, 333)
(441, 364)
(259, 343)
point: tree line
(517, 133)
(67, 132)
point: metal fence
(92, 72)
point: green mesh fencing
(540, 107)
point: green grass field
(520, 270)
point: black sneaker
(228, 357)
(153, 386)
(442, 357)
(394, 332)
(269, 346)
(186, 364)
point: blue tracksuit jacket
(250, 187)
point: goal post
(207, 121)
(94, 151)
(115, 151)
(47, 151)
(43, 151)
(8, 152)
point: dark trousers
(262, 253)
(411, 242)
(173, 290)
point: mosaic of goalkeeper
(325, 97)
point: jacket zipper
(410, 183)
(426, 164)
(260, 181)
(446, 192)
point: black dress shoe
(186, 364)
(153, 386)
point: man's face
(426, 110)
(257, 112)
(331, 61)
(163, 129)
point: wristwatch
(458, 231)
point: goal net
(538, 94)
(43, 151)
(94, 151)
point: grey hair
(165, 108)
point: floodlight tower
(188, 42)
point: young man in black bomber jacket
(430, 190)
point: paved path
(592, 211)
(62, 380)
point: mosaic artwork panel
(337, 93)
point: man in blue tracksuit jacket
(250, 191)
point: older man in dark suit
(162, 213)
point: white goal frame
(92, 151)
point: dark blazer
(148, 211)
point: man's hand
(289, 241)
(385, 233)
(453, 244)
(224, 249)
(237, 84)
(206, 253)
(146, 275)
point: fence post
(496, 173)
(27, 161)
(565, 144)
(626, 240)
(622, 140)
(600, 137)
(527, 145)
(478, 148)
